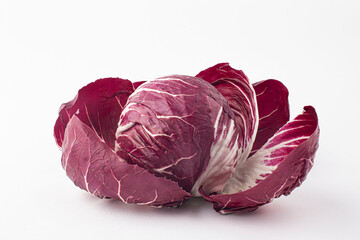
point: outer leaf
(273, 107)
(98, 105)
(94, 167)
(277, 168)
(240, 95)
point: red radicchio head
(160, 142)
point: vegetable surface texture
(163, 141)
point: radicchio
(160, 142)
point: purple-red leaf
(240, 95)
(98, 105)
(93, 166)
(273, 107)
(277, 168)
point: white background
(50, 49)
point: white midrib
(217, 152)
